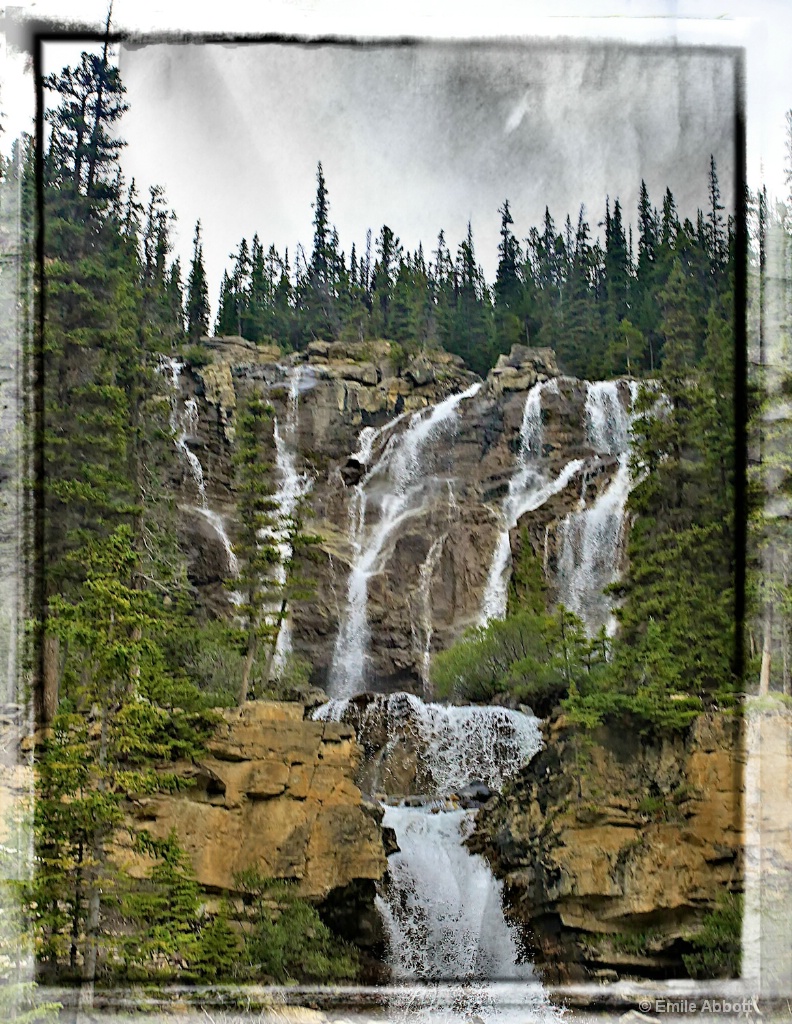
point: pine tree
(508, 289)
(716, 235)
(197, 292)
(321, 254)
(91, 102)
(383, 279)
(255, 549)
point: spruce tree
(255, 549)
(197, 292)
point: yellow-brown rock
(274, 793)
(619, 834)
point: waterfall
(607, 421)
(401, 481)
(425, 629)
(528, 489)
(590, 539)
(442, 906)
(293, 486)
(183, 423)
(459, 744)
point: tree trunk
(249, 659)
(764, 672)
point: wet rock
(474, 794)
(352, 472)
(389, 841)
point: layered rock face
(417, 477)
(275, 793)
(613, 850)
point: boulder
(420, 371)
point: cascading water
(292, 488)
(590, 539)
(441, 906)
(184, 423)
(402, 481)
(458, 744)
(528, 489)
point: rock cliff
(612, 850)
(275, 793)
(429, 580)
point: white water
(528, 489)
(183, 422)
(461, 743)
(442, 907)
(400, 481)
(590, 540)
(424, 631)
(293, 486)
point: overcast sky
(420, 137)
(427, 138)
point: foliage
(257, 550)
(218, 950)
(717, 946)
(597, 306)
(535, 658)
(162, 912)
(287, 939)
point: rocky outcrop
(522, 368)
(612, 848)
(275, 793)
(433, 570)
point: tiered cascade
(184, 424)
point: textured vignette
(765, 937)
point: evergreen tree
(255, 549)
(321, 259)
(197, 292)
(508, 285)
(389, 252)
(716, 234)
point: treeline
(598, 306)
(125, 667)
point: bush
(197, 356)
(717, 947)
(218, 951)
(287, 940)
(531, 656)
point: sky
(430, 136)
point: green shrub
(286, 939)
(218, 951)
(717, 946)
(534, 657)
(197, 356)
